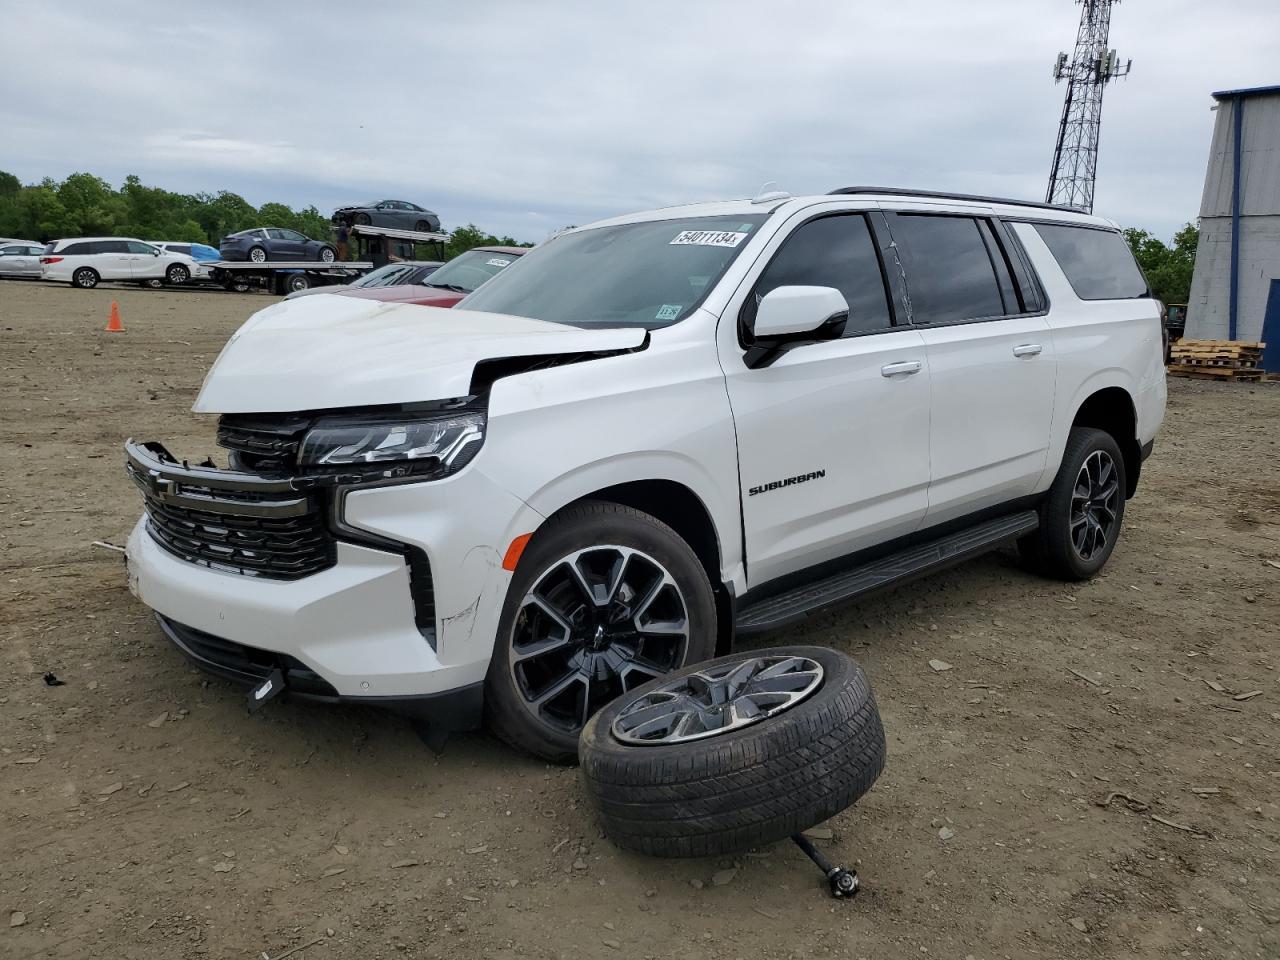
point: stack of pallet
(1217, 359)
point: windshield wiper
(446, 286)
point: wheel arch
(1112, 410)
(682, 509)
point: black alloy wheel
(604, 599)
(1095, 505)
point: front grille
(263, 444)
(279, 548)
(242, 664)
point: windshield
(467, 271)
(385, 276)
(647, 274)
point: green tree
(1168, 269)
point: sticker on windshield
(710, 238)
(668, 311)
(498, 262)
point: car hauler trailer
(379, 244)
(285, 276)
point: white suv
(87, 261)
(650, 433)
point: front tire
(85, 278)
(1081, 517)
(328, 254)
(604, 599)
(177, 275)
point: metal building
(1235, 291)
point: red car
(449, 284)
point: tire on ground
(1049, 550)
(755, 785)
(586, 524)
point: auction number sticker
(709, 238)
(668, 311)
(498, 262)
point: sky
(526, 117)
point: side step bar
(798, 602)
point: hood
(408, 293)
(319, 353)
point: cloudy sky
(524, 117)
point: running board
(798, 602)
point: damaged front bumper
(317, 577)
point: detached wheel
(742, 751)
(1081, 517)
(177, 274)
(258, 254)
(86, 278)
(605, 598)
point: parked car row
(20, 259)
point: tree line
(84, 205)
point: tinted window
(137, 246)
(73, 249)
(949, 275)
(111, 246)
(180, 248)
(1098, 263)
(832, 252)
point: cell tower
(1090, 69)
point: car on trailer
(647, 436)
(265, 244)
(400, 214)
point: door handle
(902, 368)
(1027, 350)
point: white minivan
(87, 261)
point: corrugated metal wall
(1209, 309)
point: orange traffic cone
(113, 322)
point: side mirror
(788, 311)
(789, 316)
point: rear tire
(258, 254)
(362, 219)
(606, 649)
(797, 766)
(295, 282)
(1081, 517)
(422, 226)
(85, 278)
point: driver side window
(834, 251)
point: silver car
(20, 258)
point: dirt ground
(144, 813)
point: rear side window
(950, 276)
(112, 246)
(836, 251)
(1098, 263)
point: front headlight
(435, 446)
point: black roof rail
(939, 195)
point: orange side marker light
(515, 550)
